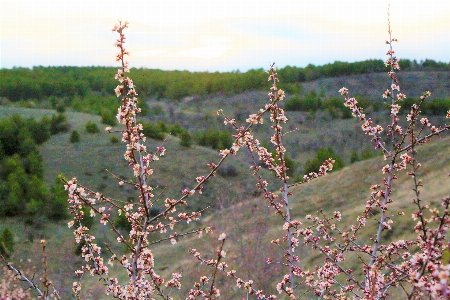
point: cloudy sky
(219, 35)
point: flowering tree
(415, 265)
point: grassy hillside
(89, 160)
(249, 224)
(310, 131)
(371, 85)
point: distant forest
(79, 82)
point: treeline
(312, 101)
(22, 187)
(311, 72)
(213, 138)
(79, 82)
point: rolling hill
(235, 207)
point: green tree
(22, 189)
(91, 127)
(74, 137)
(6, 242)
(40, 131)
(10, 129)
(59, 123)
(354, 157)
(17, 184)
(215, 139)
(309, 102)
(154, 131)
(322, 155)
(33, 164)
(291, 165)
(114, 139)
(185, 139)
(56, 207)
(367, 153)
(108, 117)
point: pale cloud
(206, 52)
(219, 35)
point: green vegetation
(80, 86)
(312, 102)
(59, 123)
(436, 107)
(6, 242)
(91, 127)
(108, 117)
(74, 137)
(22, 187)
(215, 139)
(321, 155)
(20, 168)
(156, 131)
(113, 139)
(185, 139)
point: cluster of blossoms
(139, 265)
(10, 287)
(386, 265)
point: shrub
(121, 222)
(114, 139)
(56, 208)
(215, 139)
(108, 117)
(40, 131)
(322, 155)
(294, 104)
(228, 171)
(74, 137)
(185, 139)
(6, 242)
(309, 102)
(154, 131)
(175, 129)
(59, 123)
(354, 157)
(91, 127)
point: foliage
(22, 187)
(59, 123)
(311, 101)
(92, 127)
(185, 139)
(6, 242)
(354, 157)
(159, 130)
(108, 117)
(114, 139)
(215, 139)
(322, 155)
(85, 84)
(39, 130)
(156, 131)
(19, 135)
(74, 137)
(121, 222)
(56, 207)
(228, 170)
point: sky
(219, 35)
